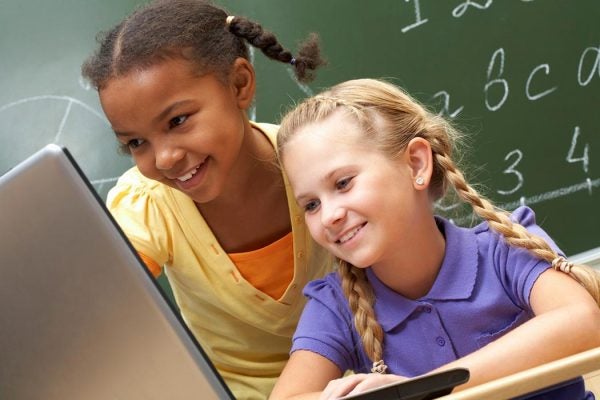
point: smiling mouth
(189, 175)
(350, 234)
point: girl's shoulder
(522, 215)
(269, 130)
(133, 188)
(326, 289)
(482, 238)
(326, 295)
(133, 178)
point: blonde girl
(413, 292)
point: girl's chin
(361, 264)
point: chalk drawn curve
(55, 97)
(98, 183)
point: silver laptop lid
(81, 316)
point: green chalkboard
(520, 77)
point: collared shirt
(482, 292)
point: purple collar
(455, 281)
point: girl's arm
(305, 375)
(567, 322)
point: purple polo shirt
(481, 292)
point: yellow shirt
(246, 333)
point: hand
(354, 384)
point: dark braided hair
(196, 30)
(307, 60)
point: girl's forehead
(164, 76)
(339, 129)
(325, 146)
(336, 124)
(178, 66)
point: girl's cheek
(316, 231)
(138, 162)
(146, 166)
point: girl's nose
(332, 215)
(166, 156)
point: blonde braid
(361, 299)
(514, 233)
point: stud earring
(420, 180)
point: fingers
(354, 384)
(341, 387)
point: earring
(420, 180)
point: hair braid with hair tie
(361, 300)
(307, 60)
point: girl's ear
(420, 162)
(243, 82)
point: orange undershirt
(152, 265)
(269, 269)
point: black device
(424, 387)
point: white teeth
(188, 176)
(349, 235)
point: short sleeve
(325, 326)
(517, 268)
(139, 216)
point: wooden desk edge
(532, 379)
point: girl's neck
(252, 211)
(415, 271)
(255, 166)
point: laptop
(81, 318)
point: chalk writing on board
(515, 156)
(446, 104)
(457, 12)
(593, 54)
(518, 156)
(496, 68)
(70, 101)
(461, 9)
(419, 21)
(577, 153)
(588, 184)
(588, 68)
(585, 157)
(539, 95)
(305, 88)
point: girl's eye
(178, 120)
(311, 206)
(135, 143)
(343, 183)
(129, 146)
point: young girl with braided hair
(413, 292)
(206, 199)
